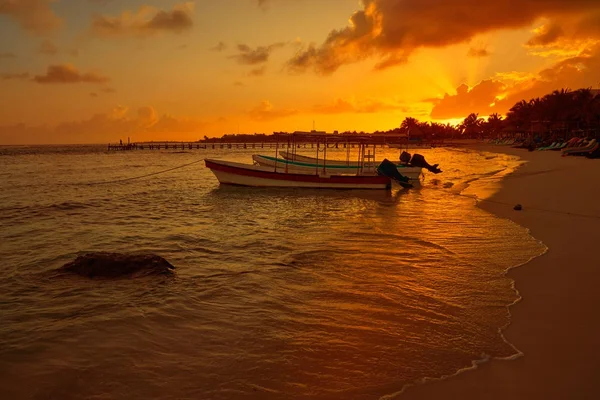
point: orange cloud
(35, 16)
(219, 47)
(259, 55)
(120, 122)
(48, 48)
(146, 22)
(545, 35)
(146, 116)
(563, 29)
(258, 71)
(368, 106)
(266, 112)
(500, 94)
(477, 99)
(392, 29)
(68, 74)
(9, 76)
(169, 124)
(478, 52)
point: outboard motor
(419, 161)
(405, 157)
(389, 169)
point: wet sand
(557, 323)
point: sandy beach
(556, 323)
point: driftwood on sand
(115, 265)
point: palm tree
(408, 123)
(471, 126)
(583, 101)
(494, 124)
(519, 115)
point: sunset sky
(96, 71)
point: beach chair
(594, 154)
(571, 143)
(590, 146)
(548, 147)
(594, 147)
(560, 146)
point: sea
(277, 293)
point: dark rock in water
(518, 207)
(115, 265)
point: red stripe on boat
(349, 179)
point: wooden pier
(156, 146)
(284, 141)
(222, 145)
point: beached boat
(297, 163)
(232, 173)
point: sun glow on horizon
(184, 72)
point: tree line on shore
(562, 112)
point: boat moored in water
(268, 171)
(299, 162)
(328, 166)
(232, 173)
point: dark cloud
(477, 52)
(392, 29)
(259, 55)
(147, 21)
(15, 76)
(546, 35)
(48, 48)
(8, 55)
(174, 21)
(219, 47)
(560, 30)
(68, 74)
(258, 71)
(93, 94)
(34, 16)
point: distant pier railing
(292, 141)
(224, 145)
(156, 146)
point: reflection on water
(279, 293)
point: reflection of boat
(297, 162)
(233, 173)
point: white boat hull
(303, 165)
(231, 173)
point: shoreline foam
(498, 177)
(554, 322)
